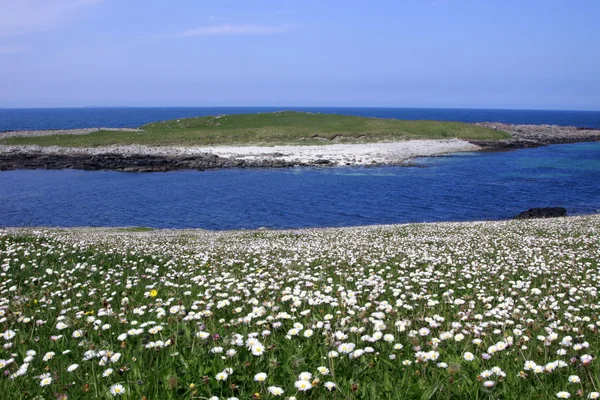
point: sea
(460, 187)
(131, 117)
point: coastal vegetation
(488, 310)
(277, 128)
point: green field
(479, 310)
(270, 129)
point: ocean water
(131, 117)
(461, 187)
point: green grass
(134, 229)
(270, 129)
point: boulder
(547, 212)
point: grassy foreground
(270, 129)
(491, 310)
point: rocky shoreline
(137, 158)
(130, 163)
(139, 162)
(527, 136)
(160, 159)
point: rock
(321, 161)
(529, 135)
(548, 212)
(508, 144)
(132, 162)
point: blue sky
(532, 54)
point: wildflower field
(485, 310)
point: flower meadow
(484, 310)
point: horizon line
(301, 106)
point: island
(274, 139)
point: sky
(513, 54)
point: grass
(482, 310)
(270, 129)
(134, 229)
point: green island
(479, 310)
(276, 128)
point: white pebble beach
(337, 154)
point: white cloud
(229, 29)
(13, 49)
(19, 17)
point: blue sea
(460, 187)
(132, 117)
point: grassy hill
(276, 128)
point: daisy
(305, 376)
(222, 376)
(323, 370)
(260, 377)
(46, 381)
(117, 390)
(275, 390)
(258, 349)
(302, 385)
(529, 365)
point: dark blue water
(69, 118)
(468, 186)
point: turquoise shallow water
(461, 187)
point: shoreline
(141, 231)
(140, 158)
(148, 159)
(529, 136)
